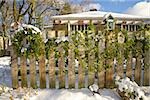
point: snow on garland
(52, 43)
(27, 39)
(129, 89)
(62, 39)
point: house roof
(98, 15)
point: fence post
(42, 71)
(71, 70)
(23, 67)
(33, 72)
(70, 59)
(52, 70)
(137, 71)
(115, 66)
(61, 66)
(66, 69)
(14, 69)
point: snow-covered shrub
(27, 39)
(94, 88)
(129, 89)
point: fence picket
(14, 69)
(23, 67)
(81, 74)
(71, 72)
(42, 71)
(115, 68)
(33, 73)
(129, 68)
(137, 71)
(61, 65)
(52, 70)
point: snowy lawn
(82, 94)
(62, 94)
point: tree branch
(21, 6)
(2, 3)
(20, 15)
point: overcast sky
(136, 7)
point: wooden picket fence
(62, 73)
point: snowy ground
(5, 72)
(62, 94)
(7, 93)
(82, 94)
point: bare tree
(5, 16)
(2, 3)
(20, 10)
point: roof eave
(97, 18)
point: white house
(80, 21)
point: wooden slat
(42, 71)
(109, 73)
(61, 65)
(66, 69)
(81, 70)
(52, 70)
(23, 72)
(90, 68)
(115, 68)
(101, 78)
(71, 69)
(14, 69)
(81, 76)
(129, 68)
(33, 73)
(137, 71)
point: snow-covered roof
(98, 15)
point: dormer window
(109, 20)
(110, 23)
